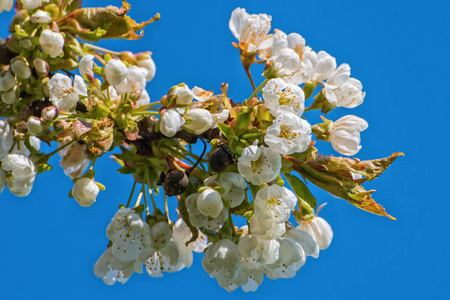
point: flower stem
(131, 194)
(152, 198)
(247, 71)
(255, 92)
(145, 199)
(166, 207)
(60, 148)
(101, 49)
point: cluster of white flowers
(267, 250)
(193, 116)
(17, 171)
(254, 145)
(294, 63)
(159, 248)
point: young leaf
(301, 190)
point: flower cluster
(89, 101)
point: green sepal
(43, 168)
(126, 170)
(121, 206)
(139, 209)
(100, 186)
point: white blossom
(222, 260)
(169, 259)
(265, 228)
(52, 42)
(86, 65)
(234, 185)
(115, 71)
(320, 230)
(250, 30)
(85, 191)
(288, 134)
(200, 220)
(129, 234)
(345, 137)
(290, 258)
(6, 5)
(113, 270)
(209, 203)
(256, 252)
(149, 65)
(32, 4)
(74, 160)
(289, 60)
(305, 240)
(181, 234)
(160, 234)
(343, 91)
(23, 174)
(274, 203)
(201, 120)
(214, 104)
(277, 93)
(144, 99)
(63, 94)
(171, 122)
(272, 43)
(184, 94)
(134, 80)
(259, 164)
(41, 17)
(323, 65)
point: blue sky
(399, 51)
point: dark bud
(174, 182)
(221, 158)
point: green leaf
(301, 190)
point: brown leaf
(342, 187)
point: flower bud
(175, 182)
(31, 4)
(183, 93)
(41, 17)
(34, 126)
(85, 191)
(201, 120)
(41, 66)
(50, 113)
(115, 71)
(11, 96)
(209, 203)
(20, 67)
(221, 158)
(26, 43)
(52, 42)
(86, 64)
(145, 61)
(7, 81)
